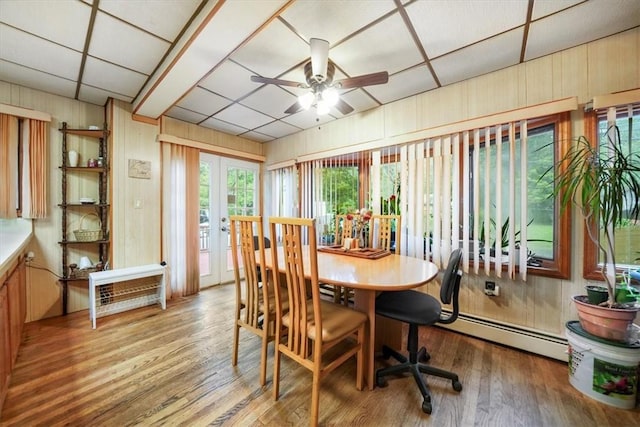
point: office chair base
(416, 369)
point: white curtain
(284, 194)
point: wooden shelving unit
(102, 207)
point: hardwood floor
(173, 367)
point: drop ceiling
(193, 60)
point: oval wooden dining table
(368, 277)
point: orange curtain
(180, 220)
(8, 166)
(35, 176)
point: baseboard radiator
(513, 336)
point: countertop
(14, 237)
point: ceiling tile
(581, 24)
(230, 80)
(38, 54)
(116, 79)
(547, 7)
(401, 85)
(185, 115)
(213, 123)
(270, 100)
(473, 20)
(334, 20)
(143, 51)
(98, 96)
(28, 77)
(165, 18)
(359, 100)
(374, 50)
(203, 101)
(257, 136)
(490, 55)
(243, 116)
(308, 119)
(62, 22)
(273, 51)
(278, 129)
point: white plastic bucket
(607, 373)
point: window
(453, 187)
(627, 238)
(541, 219)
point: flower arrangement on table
(360, 224)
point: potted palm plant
(604, 183)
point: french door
(227, 187)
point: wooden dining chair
(344, 229)
(382, 234)
(312, 325)
(255, 309)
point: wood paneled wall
(601, 67)
(44, 295)
(135, 203)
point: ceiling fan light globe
(306, 100)
(330, 96)
(322, 107)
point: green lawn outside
(540, 232)
(627, 242)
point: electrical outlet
(491, 289)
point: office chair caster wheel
(386, 354)
(426, 407)
(381, 382)
(457, 385)
(423, 356)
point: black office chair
(416, 309)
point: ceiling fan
(319, 72)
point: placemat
(369, 253)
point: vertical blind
(620, 119)
(453, 199)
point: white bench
(109, 293)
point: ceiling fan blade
(343, 107)
(379, 78)
(278, 82)
(294, 108)
(319, 58)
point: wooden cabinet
(13, 310)
(85, 206)
(5, 344)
